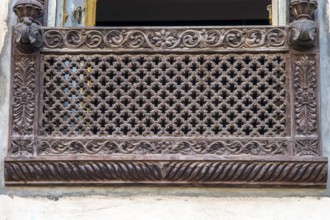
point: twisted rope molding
(282, 173)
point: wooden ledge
(290, 172)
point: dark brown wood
(268, 172)
(209, 106)
(302, 34)
(152, 146)
(28, 34)
(305, 84)
(171, 39)
(186, 96)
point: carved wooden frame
(291, 160)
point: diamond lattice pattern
(165, 95)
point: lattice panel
(165, 95)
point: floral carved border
(23, 95)
(305, 86)
(166, 38)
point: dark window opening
(181, 12)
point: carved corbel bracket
(28, 33)
(302, 32)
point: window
(184, 12)
(188, 105)
(167, 13)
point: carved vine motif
(21, 148)
(305, 96)
(164, 147)
(183, 172)
(170, 38)
(24, 95)
(307, 148)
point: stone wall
(160, 202)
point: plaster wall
(160, 202)
(164, 208)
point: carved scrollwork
(305, 85)
(303, 28)
(104, 147)
(164, 39)
(24, 95)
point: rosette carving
(21, 148)
(307, 147)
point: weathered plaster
(164, 207)
(4, 81)
(327, 9)
(324, 23)
(3, 33)
(3, 21)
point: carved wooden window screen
(167, 105)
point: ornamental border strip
(49, 147)
(303, 173)
(184, 39)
